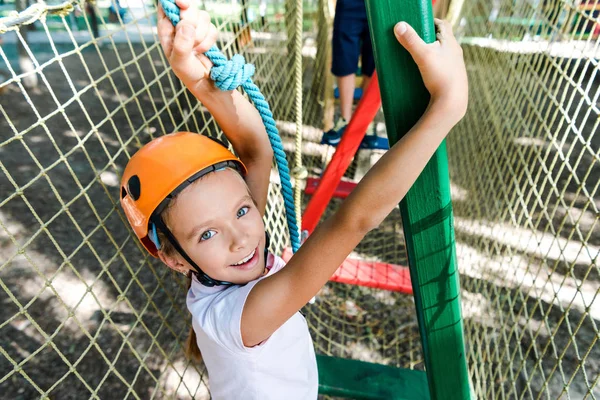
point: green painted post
(427, 209)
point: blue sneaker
(370, 142)
(333, 136)
(374, 142)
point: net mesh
(525, 171)
(86, 313)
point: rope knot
(232, 73)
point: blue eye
(243, 211)
(207, 235)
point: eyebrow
(196, 229)
(199, 227)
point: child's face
(218, 225)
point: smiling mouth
(245, 260)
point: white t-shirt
(282, 367)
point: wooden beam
(427, 209)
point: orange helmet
(160, 170)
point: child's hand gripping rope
(185, 44)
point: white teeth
(246, 259)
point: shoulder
(201, 299)
(216, 312)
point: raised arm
(275, 299)
(238, 118)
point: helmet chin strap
(202, 277)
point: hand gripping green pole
(427, 209)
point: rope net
(87, 313)
(525, 169)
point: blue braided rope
(229, 75)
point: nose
(239, 240)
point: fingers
(183, 4)
(161, 12)
(165, 32)
(410, 40)
(183, 42)
(209, 40)
(188, 12)
(175, 40)
(200, 19)
(203, 27)
(443, 29)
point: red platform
(371, 274)
(342, 190)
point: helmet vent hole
(134, 187)
(123, 192)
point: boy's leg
(347, 33)
(346, 86)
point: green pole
(427, 209)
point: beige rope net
(87, 314)
(525, 169)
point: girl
(199, 209)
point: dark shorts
(351, 38)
